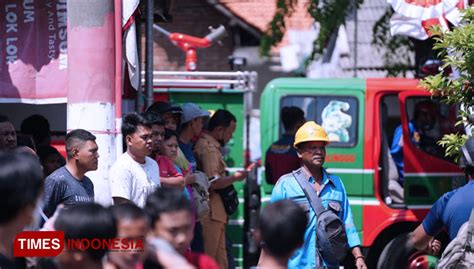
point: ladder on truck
(208, 82)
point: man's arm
(423, 235)
(424, 241)
(120, 200)
(359, 258)
(228, 180)
(420, 238)
(209, 160)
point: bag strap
(470, 233)
(314, 201)
(309, 192)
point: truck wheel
(401, 253)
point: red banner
(33, 51)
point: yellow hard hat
(310, 131)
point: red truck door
(427, 172)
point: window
(336, 114)
(429, 120)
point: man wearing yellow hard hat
(310, 142)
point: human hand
(250, 167)
(190, 179)
(434, 246)
(360, 263)
(161, 252)
(240, 175)
(170, 261)
(49, 224)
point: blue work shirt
(332, 193)
(397, 146)
(451, 210)
(187, 150)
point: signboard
(33, 51)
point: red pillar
(91, 81)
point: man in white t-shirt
(134, 175)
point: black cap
(162, 107)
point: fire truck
(360, 117)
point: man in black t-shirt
(68, 185)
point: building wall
(191, 17)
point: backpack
(201, 195)
(459, 254)
(331, 237)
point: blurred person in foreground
(132, 224)
(281, 232)
(171, 219)
(451, 210)
(21, 187)
(84, 221)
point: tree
(330, 14)
(457, 51)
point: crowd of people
(167, 190)
(168, 156)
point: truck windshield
(336, 114)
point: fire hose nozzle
(216, 34)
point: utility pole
(355, 38)
(149, 53)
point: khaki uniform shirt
(207, 151)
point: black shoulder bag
(331, 238)
(229, 198)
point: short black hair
(221, 118)
(170, 133)
(25, 140)
(45, 151)
(88, 221)
(291, 116)
(37, 126)
(128, 211)
(282, 227)
(131, 122)
(154, 118)
(4, 118)
(165, 200)
(21, 183)
(77, 136)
